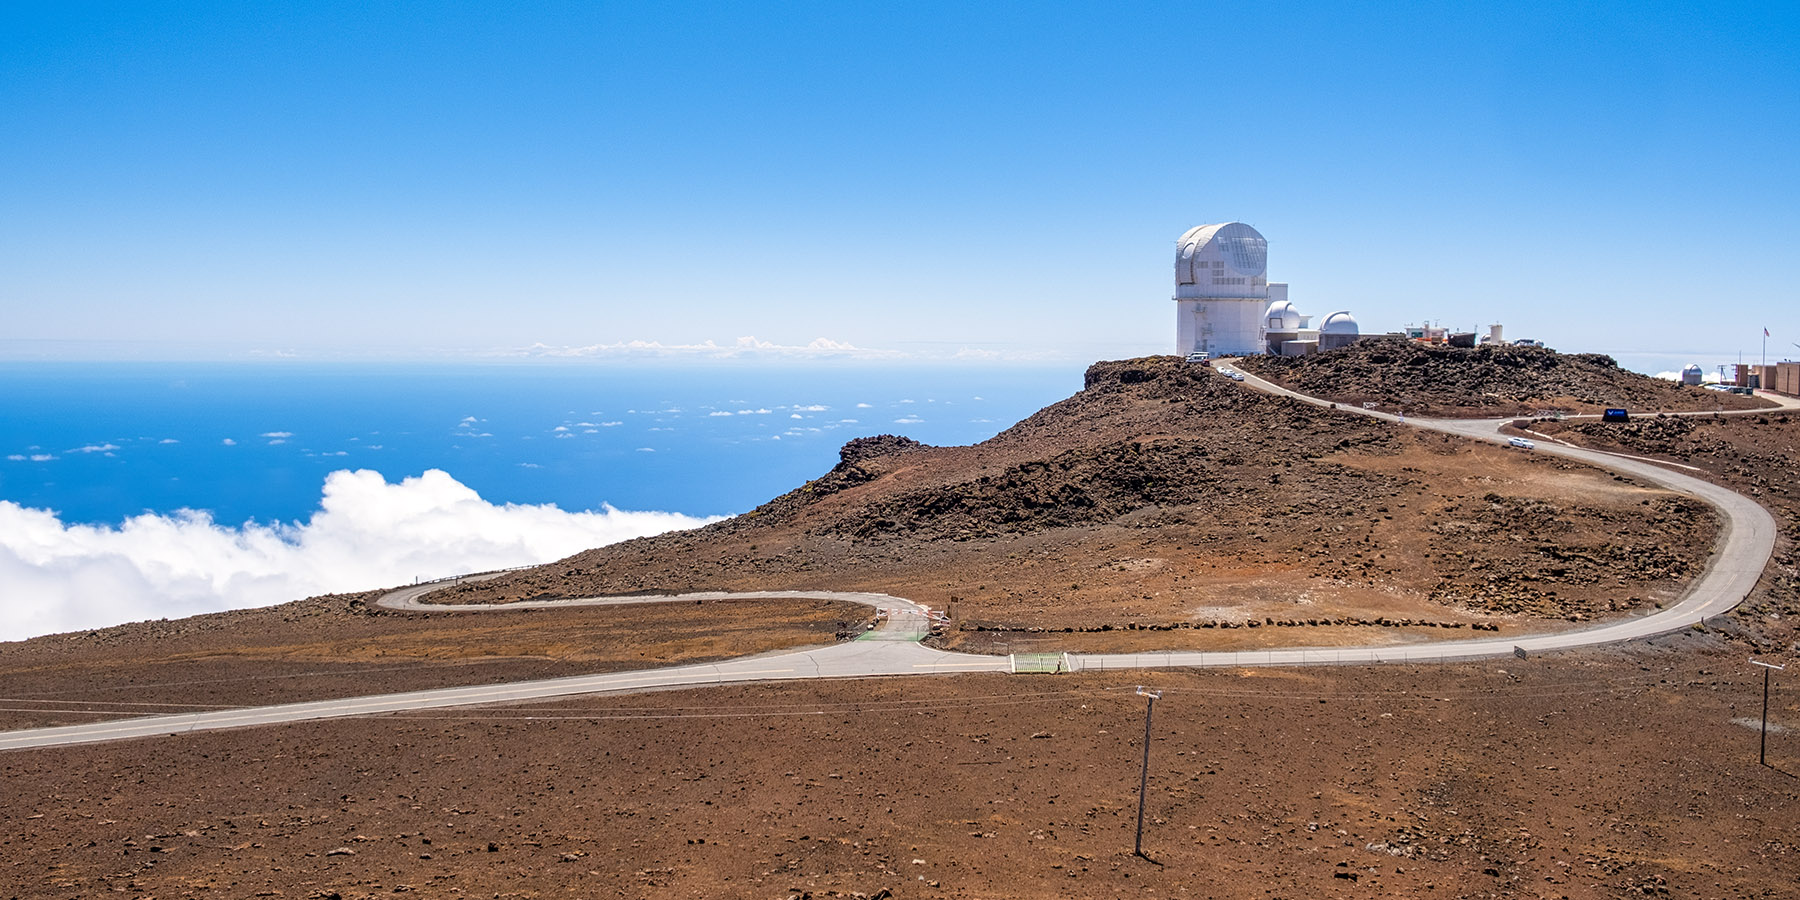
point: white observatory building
(1222, 290)
(1340, 330)
(1226, 306)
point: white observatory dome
(1282, 316)
(1228, 260)
(1341, 322)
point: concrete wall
(1221, 326)
(1787, 377)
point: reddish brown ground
(1612, 773)
(315, 650)
(1165, 495)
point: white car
(1522, 444)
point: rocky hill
(1164, 496)
(1487, 380)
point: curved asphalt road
(1746, 542)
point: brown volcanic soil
(1756, 455)
(337, 647)
(1164, 496)
(1405, 376)
(1602, 774)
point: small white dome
(1341, 322)
(1692, 369)
(1282, 316)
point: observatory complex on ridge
(1226, 306)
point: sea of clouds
(367, 533)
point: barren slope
(1166, 496)
(1483, 381)
(338, 646)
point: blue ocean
(135, 491)
(97, 443)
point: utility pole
(1144, 778)
(1762, 751)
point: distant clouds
(367, 533)
(750, 348)
(744, 347)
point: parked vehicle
(1522, 444)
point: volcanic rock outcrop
(1488, 380)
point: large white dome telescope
(1225, 260)
(1221, 290)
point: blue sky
(397, 179)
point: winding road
(1746, 542)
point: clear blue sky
(398, 178)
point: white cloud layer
(366, 534)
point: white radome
(1282, 316)
(1341, 322)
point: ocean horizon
(138, 490)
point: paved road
(1746, 541)
(892, 649)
